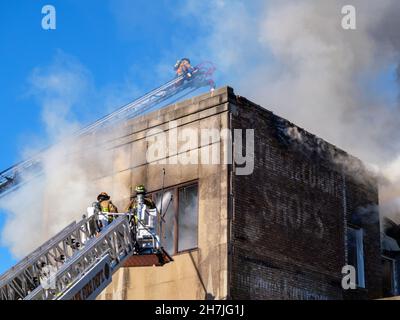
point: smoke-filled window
(188, 218)
(356, 253)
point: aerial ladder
(201, 76)
(79, 261)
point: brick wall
(289, 217)
(362, 200)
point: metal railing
(78, 262)
(115, 243)
(25, 277)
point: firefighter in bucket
(144, 219)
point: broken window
(180, 212)
(168, 226)
(188, 218)
(356, 253)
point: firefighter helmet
(177, 64)
(140, 189)
(103, 196)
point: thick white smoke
(57, 88)
(45, 205)
(294, 58)
(326, 73)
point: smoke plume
(44, 206)
(294, 58)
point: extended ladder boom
(21, 279)
(87, 273)
(76, 264)
(19, 267)
(12, 177)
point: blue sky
(121, 49)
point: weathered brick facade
(289, 218)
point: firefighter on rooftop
(183, 67)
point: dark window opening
(389, 277)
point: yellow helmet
(140, 189)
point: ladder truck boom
(11, 178)
(17, 282)
(76, 264)
(98, 259)
(42, 248)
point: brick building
(284, 231)
(306, 211)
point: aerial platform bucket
(157, 259)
